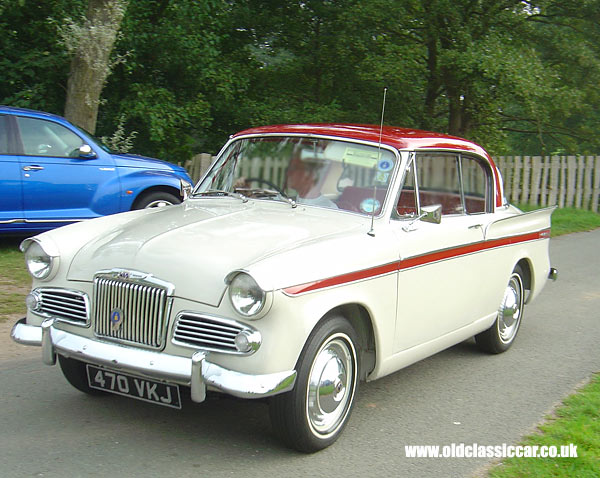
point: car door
(442, 277)
(58, 184)
(11, 197)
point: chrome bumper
(196, 372)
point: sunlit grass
(577, 421)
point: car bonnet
(197, 244)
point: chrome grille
(211, 333)
(64, 304)
(141, 306)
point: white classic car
(309, 258)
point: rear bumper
(196, 372)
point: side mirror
(86, 152)
(431, 213)
(185, 189)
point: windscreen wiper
(220, 192)
(266, 193)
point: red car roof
(400, 138)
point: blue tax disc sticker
(369, 205)
(385, 165)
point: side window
(438, 177)
(475, 185)
(460, 184)
(45, 138)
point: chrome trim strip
(39, 221)
(195, 372)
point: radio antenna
(374, 203)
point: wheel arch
(361, 320)
(153, 189)
(528, 279)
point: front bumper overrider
(196, 372)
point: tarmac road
(458, 396)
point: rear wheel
(500, 336)
(76, 374)
(312, 416)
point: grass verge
(576, 422)
(14, 279)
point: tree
(90, 43)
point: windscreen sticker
(370, 205)
(385, 165)
(360, 157)
(381, 177)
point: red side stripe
(414, 262)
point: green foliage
(514, 76)
(577, 422)
(15, 282)
(34, 66)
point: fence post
(596, 189)
(570, 167)
(588, 182)
(536, 174)
(580, 168)
(516, 179)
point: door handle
(475, 226)
(33, 167)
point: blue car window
(45, 138)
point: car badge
(123, 275)
(116, 319)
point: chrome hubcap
(509, 314)
(331, 385)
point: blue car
(52, 174)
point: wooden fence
(566, 181)
(198, 165)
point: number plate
(135, 387)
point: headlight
(246, 296)
(39, 262)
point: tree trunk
(91, 63)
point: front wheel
(500, 336)
(155, 199)
(312, 416)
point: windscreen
(311, 171)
